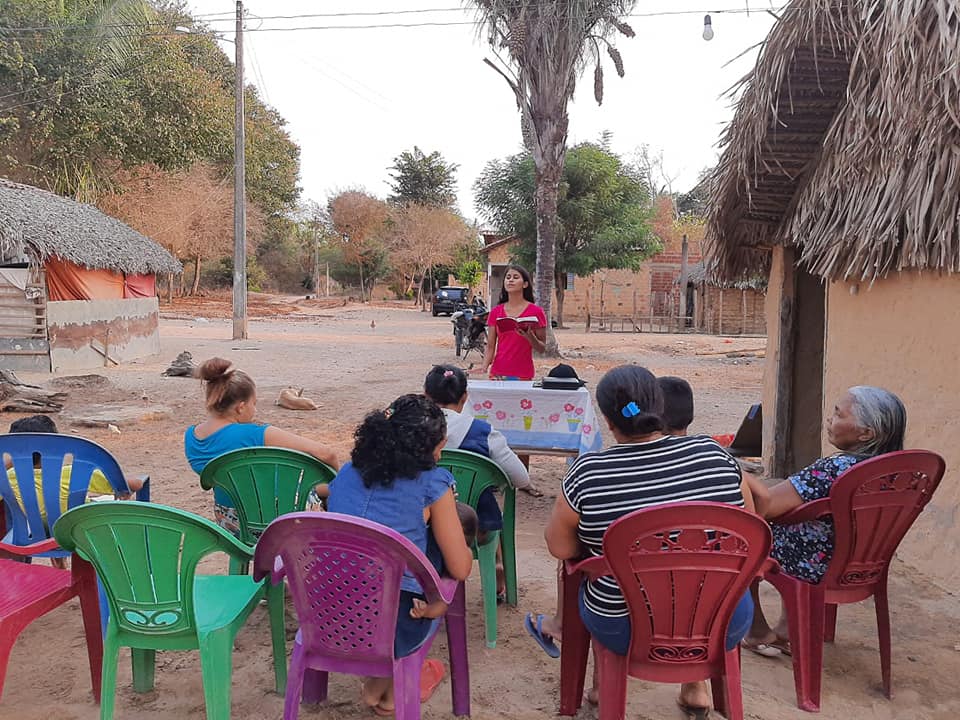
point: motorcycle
(470, 329)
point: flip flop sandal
(767, 650)
(533, 491)
(543, 640)
(695, 712)
(382, 711)
(431, 675)
(501, 598)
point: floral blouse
(804, 550)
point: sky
(356, 98)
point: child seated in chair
(393, 479)
(446, 385)
(99, 485)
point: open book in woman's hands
(509, 323)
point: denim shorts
(489, 515)
(412, 633)
(614, 632)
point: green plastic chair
(146, 556)
(475, 473)
(264, 483)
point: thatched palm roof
(47, 224)
(846, 143)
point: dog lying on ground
(292, 399)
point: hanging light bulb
(707, 28)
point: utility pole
(239, 196)
(316, 258)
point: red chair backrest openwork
(873, 505)
(683, 568)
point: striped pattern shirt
(603, 486)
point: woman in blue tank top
(231, 397)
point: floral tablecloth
(531, 417)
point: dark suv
(450, 299)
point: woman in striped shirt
(644, 468)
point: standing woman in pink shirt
(510, 350)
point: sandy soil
(349, 368)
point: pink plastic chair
(344, 575)
(683, 568)
(873, 505)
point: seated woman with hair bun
(644, 468)
(231, 399)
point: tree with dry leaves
(423, 237)
(362, 220)
(540, 49)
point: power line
(366, 26)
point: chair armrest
(143, 494)
(593, 568)
(769, 567)
(32, 549)
(808, 511)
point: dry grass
(846, 143)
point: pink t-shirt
(514, 356)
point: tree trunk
(169, 288)
(547, 196)
(561, 291)
(196, 276)
(360, 265)
(182, 290)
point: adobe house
(77, 287)
(840, 180)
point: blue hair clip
(630, 410)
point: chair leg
(829, 622)
(291, 701)
(508, 546)
(108, 685)
(94, 623)
(804, 604)
(727, 691)
(406, 687)
(144, 665)
(883, 634)
(6, 645)
(612, 671)
(216, 667)
(456, 624)
(487, 559)
(574, 650)
(275, 602)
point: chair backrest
(344, 577)
(264, 483)
(25, 523)
(683, 568)
(873, 505)
(146, 556)
(473, 474)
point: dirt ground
(350, 367)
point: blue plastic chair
(25, 525)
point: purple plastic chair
(344, 575)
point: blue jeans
(614, 632)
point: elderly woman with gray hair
(867, 421)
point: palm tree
(541, 48)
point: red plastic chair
(873, 505)
(683, 568)
(29, 591)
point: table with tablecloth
(534, 420)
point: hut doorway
(799, 406)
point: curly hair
(398, 442)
